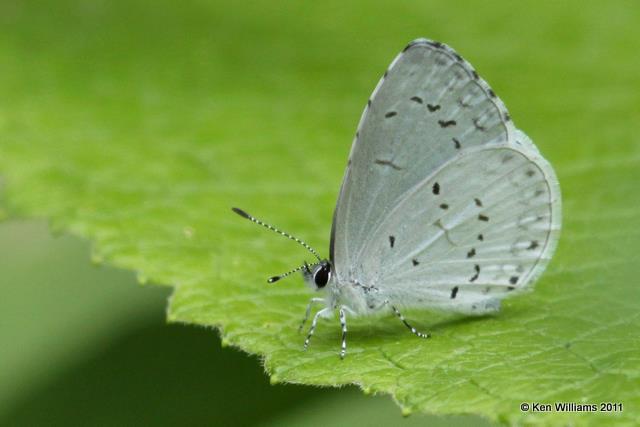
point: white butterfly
(444, 203)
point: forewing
(429, 107)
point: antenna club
(241, 213)
(273, 279)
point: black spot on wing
(392, 240)
(433, 108)
(513, 280)
(390, 114)
(477, 125)
(483, 218)
(491, 93)
(446, 123)
(454, 292)
(415, 262)
(416, 99)
(478, 202)
(387, 163)
(471, 253)
(444, 206)
(436, 188)
(534, 244)
(475, 276)
(480, 237)
(456, 143)
(475, 75)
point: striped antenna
(282, 276)
(287, 235)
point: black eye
(321, 278)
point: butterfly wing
(490, 229)
(431, 144)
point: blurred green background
(87, 345)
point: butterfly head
(317, 275)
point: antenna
(282, 276)
(287, 235)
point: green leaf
(139, 127)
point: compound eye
(321, 278)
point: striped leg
(343, 323)
(314, 322)
(411, 328)
(308, 312)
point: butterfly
(444, 204)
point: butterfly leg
(343, 323)
(314, 322)
(308, 312)
(411, 328)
